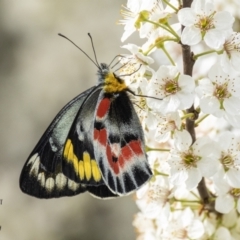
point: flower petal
(191, 36)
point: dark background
(39, 73)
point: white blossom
(202, 22)
(175, 90)
(220, 94)
(165, 125)
(189, 163)
(152, 198)
(225, 200)
(136, 58)
(183, 225)
(230, 59)
(229, 158)
(133, 13)
(185, 158)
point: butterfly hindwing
(38, 182)
(101, 191)
(42, 174)
(119, 144)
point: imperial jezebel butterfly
(94, 144)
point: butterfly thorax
(111, 82)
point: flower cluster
(190, 118)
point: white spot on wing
(79, 132)
(53, 146)
(49, 184)
(72, 185)
(61, 181)
(115, 149)
(34, 161)
(41, 179)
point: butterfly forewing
(119, 144)
(79, 162)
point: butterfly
(95, 144)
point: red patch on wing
(103, 107)
(113, 165)
(136, 147)
(100, 136)
(127, 152)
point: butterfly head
(103, 71)
(111, 82)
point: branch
(188, 63)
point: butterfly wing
(42, 175)
(78, 162)
(102, 192)
(119, 144)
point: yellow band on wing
(86, 168)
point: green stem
(160, 173)
(159, 43)
(201, 119)
(187, 115)
(165, 27)
(170, 5)
(187, 201)
(173, 32)
(148, 149)
(168, 56)
(195, 57)
(194, 194)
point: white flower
(166, 125)
(235, 230)
(140, 102)
(155, 33)
(134, 67)
(229, 157)
(153, 197)
(158, 162)
(230, 6)
(231, 55)
(225, 200)
(183, 225)
(156, 15)
(201, 21)
(220, 94)
(175, 90)
(136, 61)
(156, 38)
(222, 233)
(189, 163)
(133, 14)
(142, 223)
(136, 56)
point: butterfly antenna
(95, 63)
(122, 66)
(118, 56)
(129, 74)
(94, 51)
(141, 95)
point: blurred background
(39, 73)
